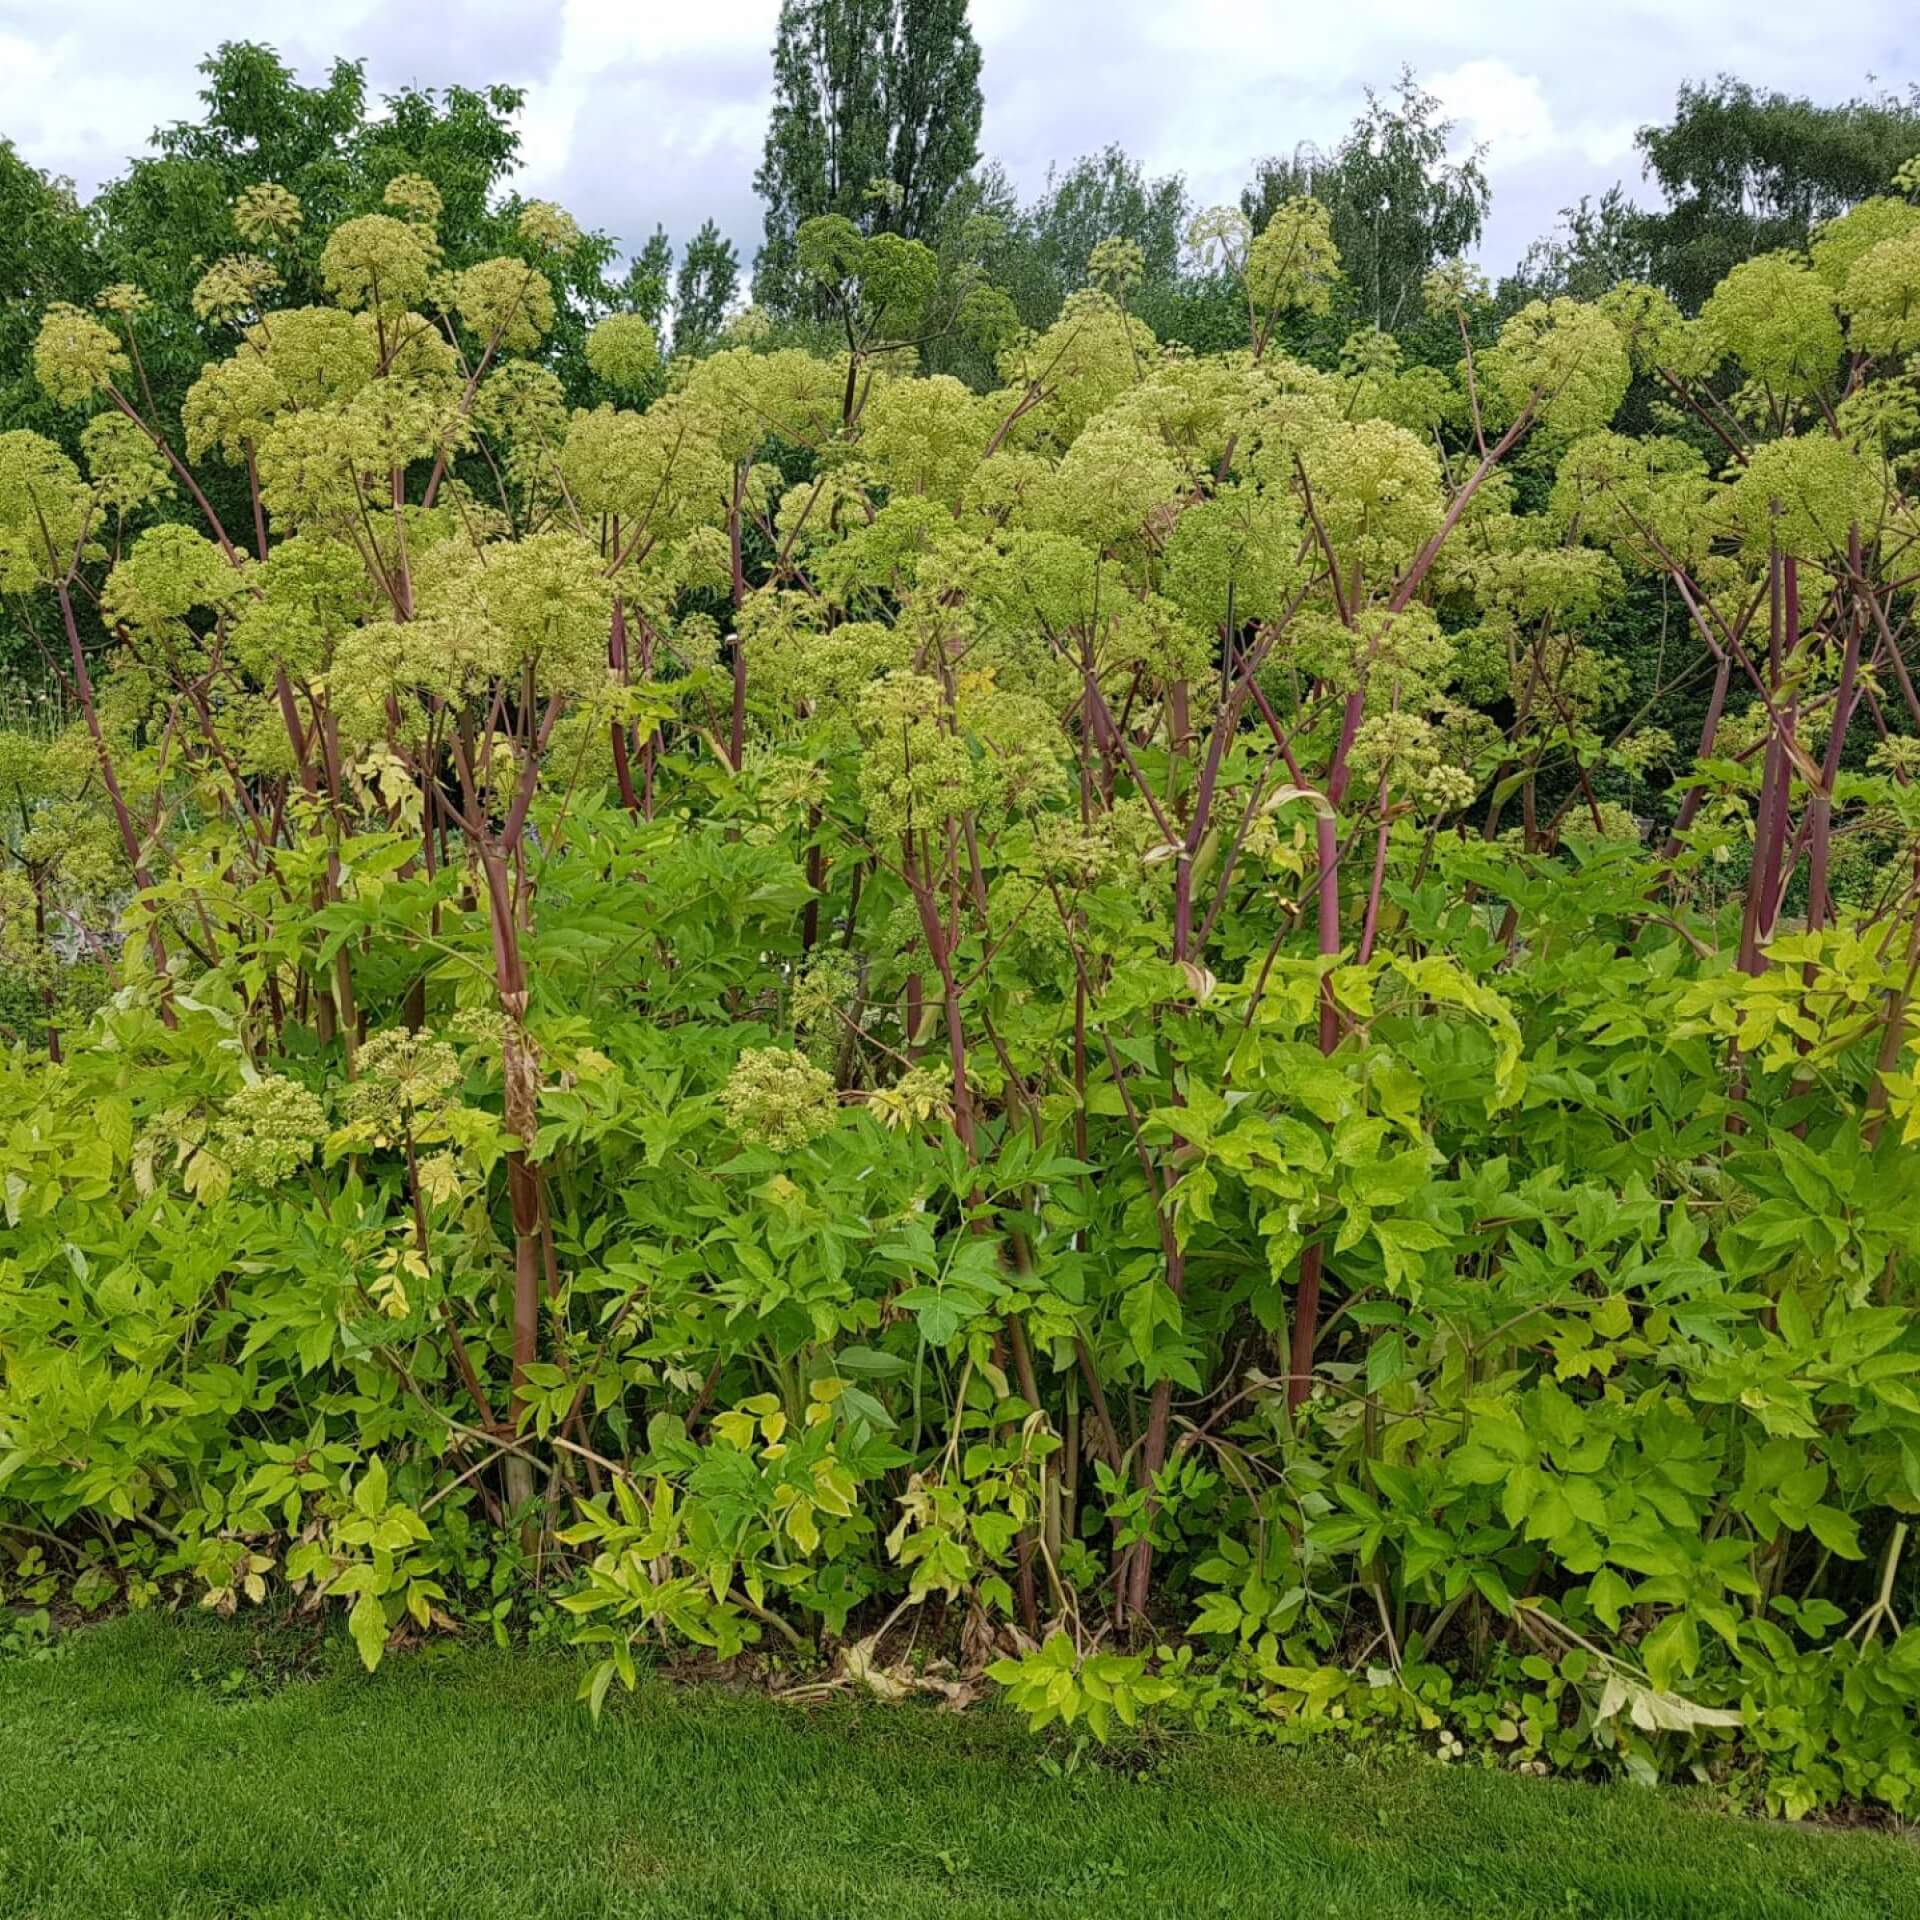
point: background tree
(161, 223)
(46, 253)
(1597, 244)
(1746, 172)
(1102, 196)
(649, 282)
(1400, 202)
(864, 91)
(705, 289)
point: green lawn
(467, 1784)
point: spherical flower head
(317, 355)
(1113, 477)
(829, 983)
(482, 1028)
(915, 771)
(1805, 494)
(1898, 756)
(1447, 789)
(703, 562)
(776, 1097)
(521, 402)
(1219, 237)
(75, 357)
(1775, 316)
(309, 593)
(1647, 747)
(1618, 490)
(552, 229)
(1651, 327)
(21, 949)
(749, 326)
(1233, 555)
(1116, 266)
(696, 640)
(43, 511)
(266, 212)
(269, 1130)
(401, 1075)
(122, 297)
(1616, 824)
(1069, 855)
(127, 469)
(1294, 265)
(1088, 358)
(505, 303)
(25, 776)
(1840, 242)
(169, 573)
(1399, 746)
(1451, 286)
(987, 317)
(234, 286)
(1564, 358)
(1882, 296)
(414, 197)
(415, 352)
(1377, 491)
(379, 263)
(549, 595)
(624, 351)
(230, 407)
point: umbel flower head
(414, 197)
(75, 356)
(1294, 264)
(233, 286)
(270, 1129)
(624, 351)
(1775, 316)
(122, 297)
(402, 1075)
(379, 263)
(548, 227)
(127, 469)
(43, 511)
(1883, 293)
(505, 303)
(776, 1097)
(266, 212)
(1567, 359)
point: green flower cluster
(776, 1097)
(269, 1129)
(399, 1077)
(74, 357)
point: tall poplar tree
(709, 277)
(876, 115)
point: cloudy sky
(652, 110)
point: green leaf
(1836, 1531)
(370, 1495)
(368, 1625)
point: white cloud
(1500, 109)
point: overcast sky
(653, 110)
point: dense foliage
(876, 118)
(1075, 1014)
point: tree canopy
(876, 118)
(1745, 171)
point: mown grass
(177, 1769)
